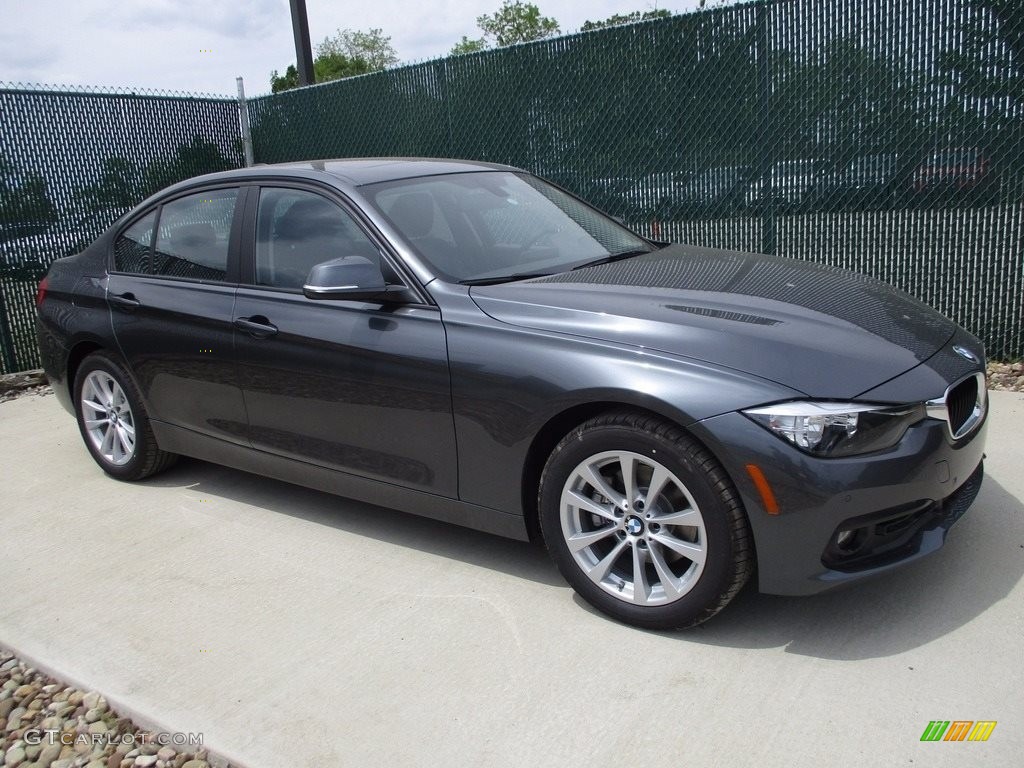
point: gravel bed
(1007, 377)
(14, 385)
(45, 724)
(41, 391)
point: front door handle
(256, 326)
(125, 301)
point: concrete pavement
(293, 628)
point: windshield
(490, 225)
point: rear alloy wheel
(113, 420)
(107, 418)
(643, 522)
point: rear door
(171, 293)
(354, 386)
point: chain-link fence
(886, 136)
(73, 161)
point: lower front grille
(880, 538)
(890, 535)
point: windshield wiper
(611, 258)
(527, 275)
(503, 278)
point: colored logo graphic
(958, 730)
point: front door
(349, 385)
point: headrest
(190, 238)
(413, 213)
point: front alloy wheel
(633, 528)
(643, 522)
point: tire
(113, 420)
(694, 548)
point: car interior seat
(413, 212)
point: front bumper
(903, 500)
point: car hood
(826, 332)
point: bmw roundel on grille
(965, 353)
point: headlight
(838, 429)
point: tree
(372, 47)
(516, 22)
(333, 66)
(25, 205)
(469, 45)
(628, 18)
(347, 54)
(287, 81)
(119, 186)
(197, 156)
(977, 93)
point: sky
(203, 45)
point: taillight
(41, 291)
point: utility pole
(303, 51)
(243, 122)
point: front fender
(509, 382)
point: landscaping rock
(29, 699)
(50, 753)
(14, 756)
(1006, 376)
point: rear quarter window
(133, 247)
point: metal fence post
(768, 207)
(243, 120)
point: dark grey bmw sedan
(468, 342)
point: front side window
(491, 225)
(296, 230)
(194, 234)
(133, 247)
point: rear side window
(194, 233)
(133, 247)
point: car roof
(359, 171)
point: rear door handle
(125, 301)
(256, 326)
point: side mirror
(354, 278)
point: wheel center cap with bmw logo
(634, 526)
